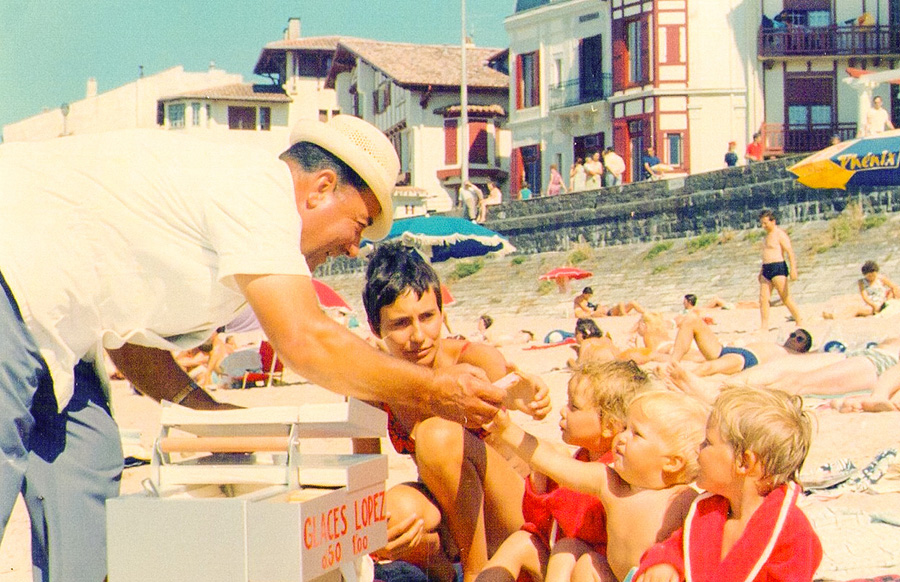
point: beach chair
(253, 366)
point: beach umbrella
(446, 237)
(328, 297)
(867, 161)
(447, 298)
(568, 273)
(562, 276)
(246, 320)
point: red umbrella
(328, 297)
(567, 273)
(446, 296)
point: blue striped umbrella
(446, 237)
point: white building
(806, 49)
(130, 106)
(560, 82)
(412, 92)
(263, 113)
(688, 76)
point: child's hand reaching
(526, 393)
(660, 573)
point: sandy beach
(859, 531)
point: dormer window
(382, 97)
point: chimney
(91, 90)
(293, 29)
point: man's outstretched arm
(330, 355)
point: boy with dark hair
(467, 489)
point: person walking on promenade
(775, 270)
(472, 199)
(615, 167)
(577, 176)
(130, 242)
(494, 198)
(731, 158)
(754, 152)
(556, 186)
(593, 168)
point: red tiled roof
(236, 92)
(437, 65)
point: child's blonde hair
(681, 420)
(771, 424)
(613, 385)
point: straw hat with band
(367, 151)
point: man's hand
(660, 573)
(794, 275)
(462, 393)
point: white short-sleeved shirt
(136, 237)
(877, 120)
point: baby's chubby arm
(545, 458)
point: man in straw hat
(128, 241)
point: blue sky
(49, 48)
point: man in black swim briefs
(775, 272)
(772, 270)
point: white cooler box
(264, 516)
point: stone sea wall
(727, 199)
(680, 207)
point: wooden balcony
(779, 140)
(828, 41)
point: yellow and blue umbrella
(867, 161)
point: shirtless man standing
(775, 270)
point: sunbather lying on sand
(731, 360)
(820, 373)
(885, 397)
(651, 330)
(583, 306)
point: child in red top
(564, 527)
(747, 527)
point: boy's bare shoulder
(480, 355)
